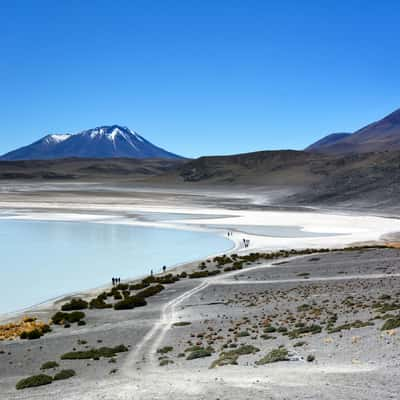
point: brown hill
(383, 135)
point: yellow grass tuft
(13, 330)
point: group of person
(246, 243)
(115, 281)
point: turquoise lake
(42, 260)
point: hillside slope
(382, 135)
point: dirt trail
(143, 357)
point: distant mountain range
(383, 135)
(102, 142)
(120, 142)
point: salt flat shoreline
(365, 233)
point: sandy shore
(219, 309)
(230, 310)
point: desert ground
(300, 325)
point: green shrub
(230, 357)
(351, 325)
(165, 362)
(150, 291)
(193, 348)
(129, 303)
(107, 352)
(182, 323)
(310, 358)
(391, 323)
(280, 354)
(199, 354)
(385, 307)
(267, 337)
(304, 307)
(246, 349)
(61, 317)
(33, 381)
(139, 286)
(64, 374)
(75, 304)
(149, 279)
(165, 349)
(122, 286)
(49, 365)
(31, 335)
(313, 329)
(99, 302)
(117, 295)
(203, 274)
(167, 279)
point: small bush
(33, 381)
(165, 362)
(203, 274)
(49, 365)
(94, 354)
(275, 355)
(60, 317)
(182, 323)
(351, 325)
(139, 286)
(129, 303)
(193, 348)
(122, 286)
(391, 323)
(310, 358)
(64, 374)
(199, 354)
(150, 291)
(31, 335)
(99, 302)
(117, 295)
(267, 337)
(165, 349)
(167, 279)
(231, 357)
(313, 329)
(304, 307)
(75, 304)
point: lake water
(41, 260)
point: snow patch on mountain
(57, 138)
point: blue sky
(198, 77)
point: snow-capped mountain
(102, 142)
